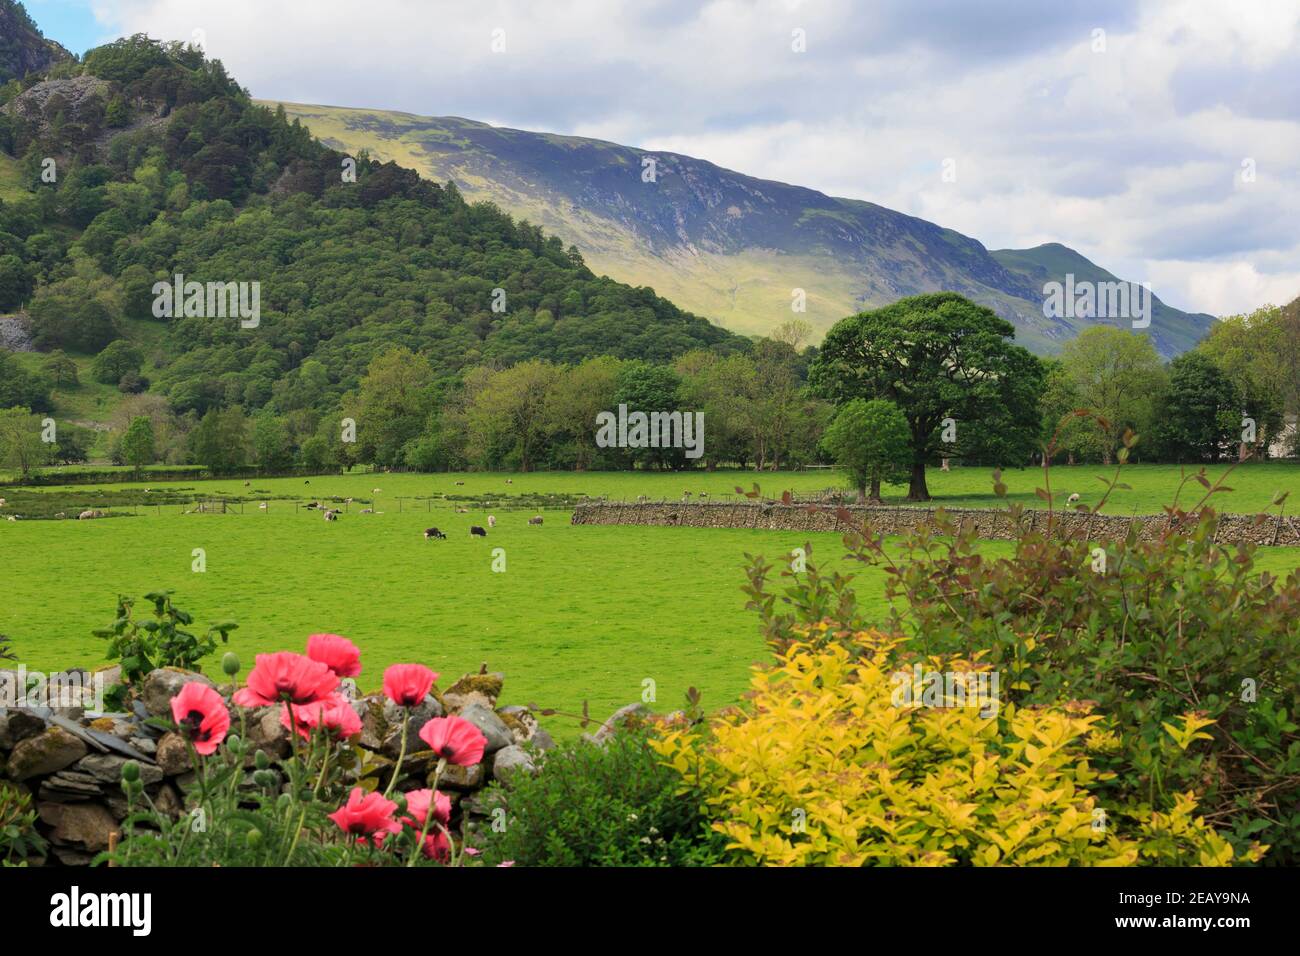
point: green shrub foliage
(590, 805)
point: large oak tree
(938, 356)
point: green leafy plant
(19, 840)
(142, 645)
(614, 804)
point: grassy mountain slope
(719, 243)
(1175, 331)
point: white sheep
(492, 521)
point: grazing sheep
(262, 506)
(460, 482)
(1072, 499)
(535, 519)
(367, 511)
(462, 511)
(2, 502)
(642, 498)
(60, 515)
(703, 494)
(374, 491)
(434, 533)
(86, 515)
(476, 530)
(331, 515)
(11, 517)
(510, 481)
(492, 521)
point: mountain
(719, 243)
(23, 49)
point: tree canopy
(949, 365)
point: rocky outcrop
(78, 99)
(991, 524)
(16, 334)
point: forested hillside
(147, 160)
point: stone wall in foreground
(991, 524)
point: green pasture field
(581, 613)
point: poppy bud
(261, 761)
(230, 663)
(130, 771)
(254, 837)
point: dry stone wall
(992, 524)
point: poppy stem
(401, 754)
(323, 767)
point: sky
(1161, 139)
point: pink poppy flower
(337, 653)
(472, 851)
(201, 715)
(408, 684)
(507, 863)
(367, 816)
(334, 714)
(457, 740)
(285, 677)
(417, 804)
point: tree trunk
(875, 492)
(916, 489)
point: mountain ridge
(721, 243)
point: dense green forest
(162, 165)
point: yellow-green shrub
(821, 741)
